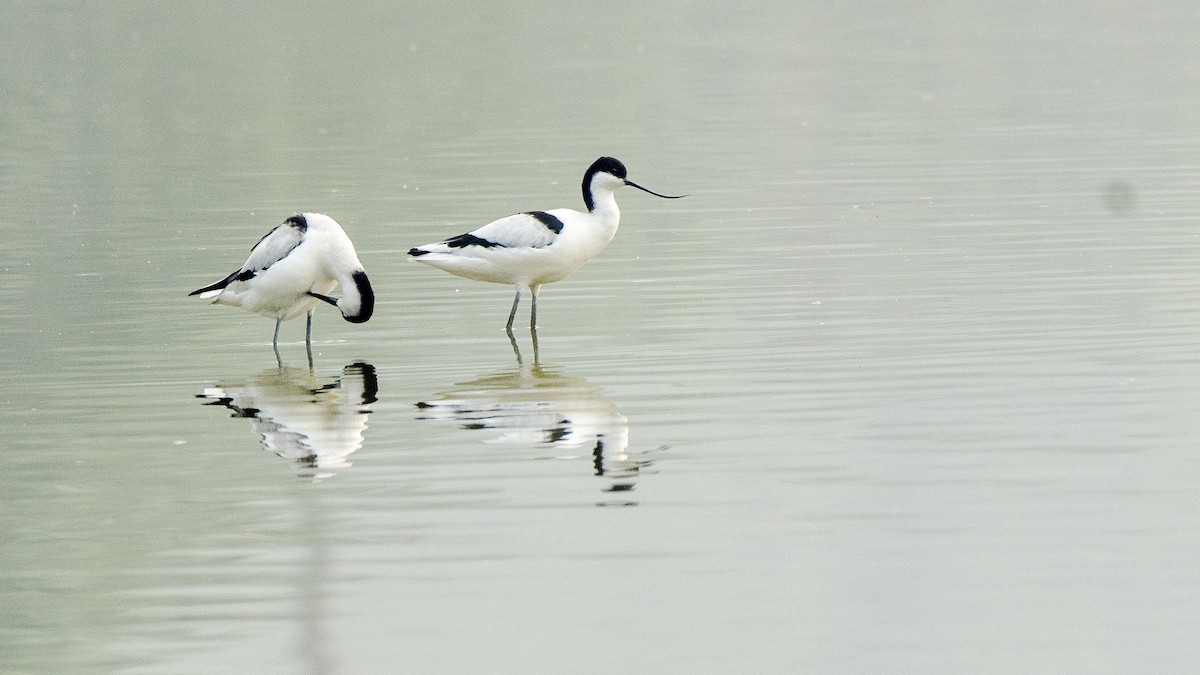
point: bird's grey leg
(513, 314)
(508, 327)
(275, 344)
(533, 291)
(308, 339)
(516, 349)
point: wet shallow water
(907, 383)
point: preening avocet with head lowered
(530, 249)
(293, 267)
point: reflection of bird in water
(299, 417)
(534, 406)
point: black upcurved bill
(633, 184)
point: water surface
(908, 383)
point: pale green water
(907, 384)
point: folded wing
(273, 247)
(536, 229)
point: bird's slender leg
(308, 340)
(516, 349)
(508, 327)
(533, 291)
(275, 343)
(513, 314)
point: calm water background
(909, 383)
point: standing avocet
(291, 268)
(530, 249)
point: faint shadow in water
(535, 406)
(314, 423)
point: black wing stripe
(217, 286)
(464, 240)
(552, 223)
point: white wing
(273, 247)
(536, 229)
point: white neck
(604, 204)
(358, 299)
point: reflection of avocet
(533, 406)
(316, 424)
